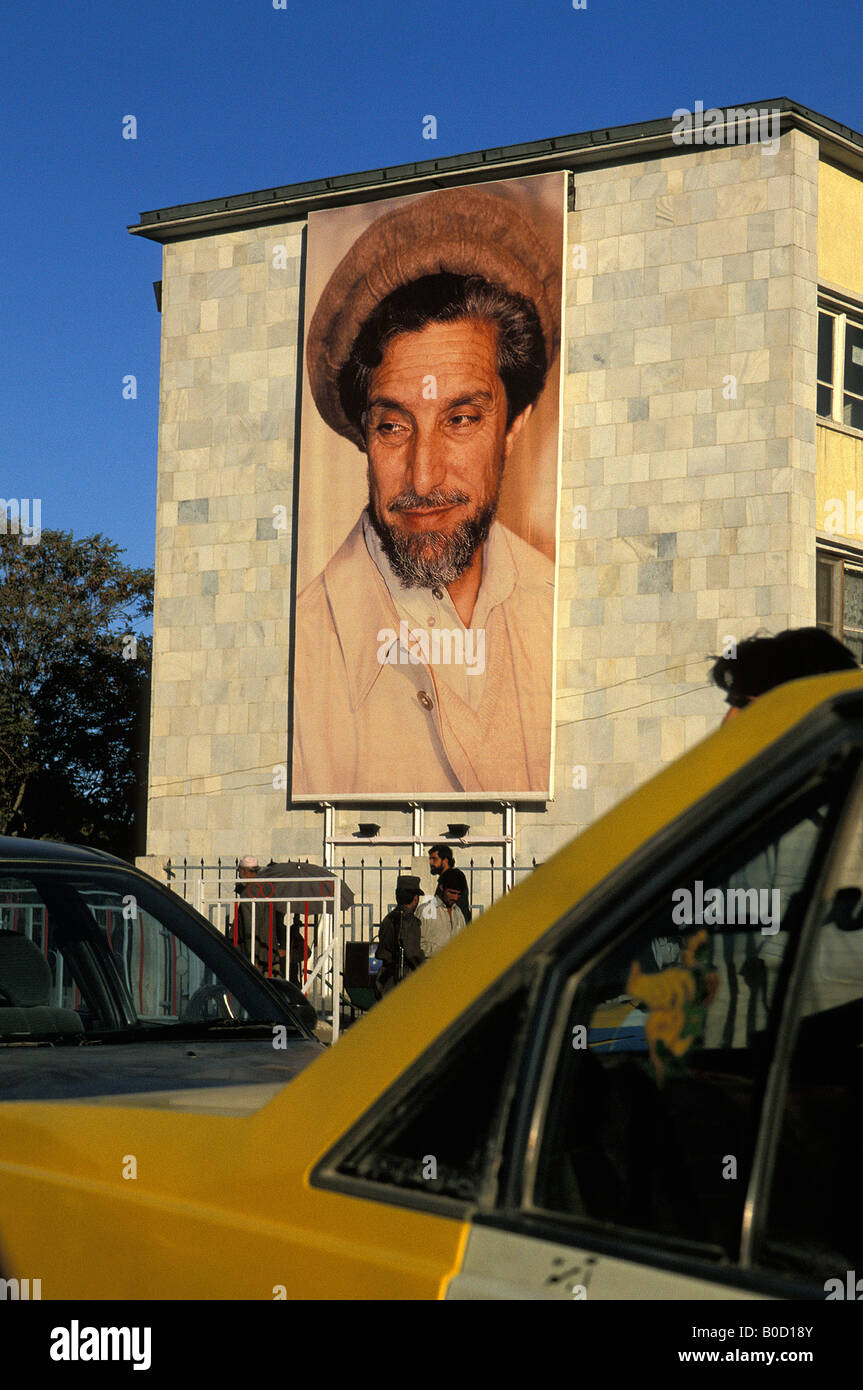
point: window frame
(842, 309)
(839, 558)
(757, 1237)
(525, 975)
(170, 913)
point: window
(100, 952)
(664, 1044)
(826, 337)
(839, 598)
(436, 1133)
(840, 363)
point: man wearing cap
(399, 944)
(424, 648)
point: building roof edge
(294, 201)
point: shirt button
(430, 621)
(425, 700)
(437, 593)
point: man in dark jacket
(442, 859)
(267, 956)
(399, 935)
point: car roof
(52, 851)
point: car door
(808, 1222)
(670, 1040)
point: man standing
(399, 944)
(428, 349)
(440, 915)
(441, 857)
(240, 931)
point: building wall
(687, 503)
(840, 265)
(840, 214)
(839, 474)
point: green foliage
(73, 711)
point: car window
(85, 952)
(652, 1099)
(815, 1219)
(436, 1132)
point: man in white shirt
(440, 916)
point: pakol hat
(461, 231)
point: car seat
(25, 988)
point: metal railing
(321, 974)
(211, 889)
(159, 972)
(373, 882)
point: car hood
(212, 1077)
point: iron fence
(373, 883)
(211, 889)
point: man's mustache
(410, 501)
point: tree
(74, 690)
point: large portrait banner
(424, 626)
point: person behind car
(760, 663)
(399, 936)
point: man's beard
(423, 559)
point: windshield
(101, 952)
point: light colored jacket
(367, 728)
(438, 923)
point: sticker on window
(677, 1000)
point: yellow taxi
(638, 1076)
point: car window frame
(635, 889)
(755, 1231)
(522, 975)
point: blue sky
(235, 95)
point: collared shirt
(432, 610)
(372, 717)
